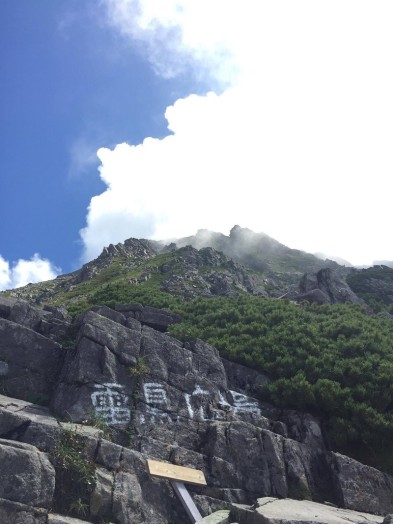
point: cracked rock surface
(150, 396)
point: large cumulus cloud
(294, 139)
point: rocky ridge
(117, 369)
(213, 264)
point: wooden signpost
(178, 475)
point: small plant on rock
(97, 421)
(75, 474)
(141, 369)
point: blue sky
(69, 86)
(125, 118)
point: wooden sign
(177, 473)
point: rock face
(161, 399)
(213, 264)
(208, 272)
(256, 250)
(29, 361)
(27, 482)
(357, 482)
(326, 287)
(132, 248)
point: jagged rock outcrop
(132, 249)
(29, 362)
(213, 264)
(281, 266)
(208, 272)
(206, 264)
(163, 399)
(326, 287)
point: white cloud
(23, 272)
(298, 146)
(178, 34)
(83, 157)
(5, 278)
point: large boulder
(326, 287)
(29, 362)
(17, 513)
(361, 487)
(53, 322)
(26, 475)
(270, 510)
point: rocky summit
(213, 264)
(86, 402)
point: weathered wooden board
(179, 473)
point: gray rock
(6, 305)
(388, 519)
(97, 375)
(208, 272)
(274, 511)
(208, 505)
(26, 475)
(33, 362)
(127, 498)
(326, 286)
(218, 517)
(375, 281)
(362, 487)
(314, 296)
(109, 455)
(101, 497)
(110, 313)
(244, 379)
(158, 319)
(17, 513)
(24, 314)
(36, 425)
(61, 519)
(121, 341)
(51, 321)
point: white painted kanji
(224, 402)
(196, 402)
(157, 404)
(110, 404)
(155, 394)
(244, 404)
